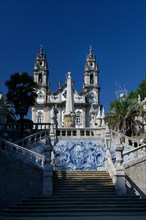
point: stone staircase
(79, 195)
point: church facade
(72, 109)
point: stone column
(84, 118)
(46, 116)
(59, 117)
(33, 115)
(48, 169)
(120, 171)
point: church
(72, 166)
(73, 109)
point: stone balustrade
(31, 140)
(110, 167)
(34, 126)
(41, 126)
(27, 156)
(126, 139)
(80, 132)
(133, 154)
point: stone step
(82, 176)
(72, 211)
(83, 197)
(76, 204)
(78, 195)
(85, 193)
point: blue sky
(115, 29)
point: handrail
(26, 142)
(127, 140)
(135, 153)
(110, 166)
(22, 153)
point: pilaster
(84, 118)
(33, 115)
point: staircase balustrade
(127, 140)
(31, 140)
(41, 126)
(136, 153)
(110, 167)
(21, 153)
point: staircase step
(26, 212)
(79, 205)
(79, 194)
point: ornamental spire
(90, 51)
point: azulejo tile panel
(79, 155)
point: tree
(9, 110)
(21, 93)
(142, 89)
(123, 116)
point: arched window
(91, 79)
(40, 117)
(40, 77)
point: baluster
(36, 160)
(71, 132)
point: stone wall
(18, 181)
(136, 176)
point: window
(78, 119)
(39, 120)
(91, 79)
(40, 77)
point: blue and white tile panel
(79, 155)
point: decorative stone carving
(69, 121)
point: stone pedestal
(47, 180)
(120, 171)
(48, 169)
(120, 181)
(69, 121)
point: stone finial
(103, 117)
(98, 118)
(90, 51)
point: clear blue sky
(115, 29)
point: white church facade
(72, 109)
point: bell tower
(91, 82)
(41, 70)
(41, 74)
(39, 111)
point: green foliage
(8, 109)
(124, 111)
(122, 115)
(142, 89)
(21, 92)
